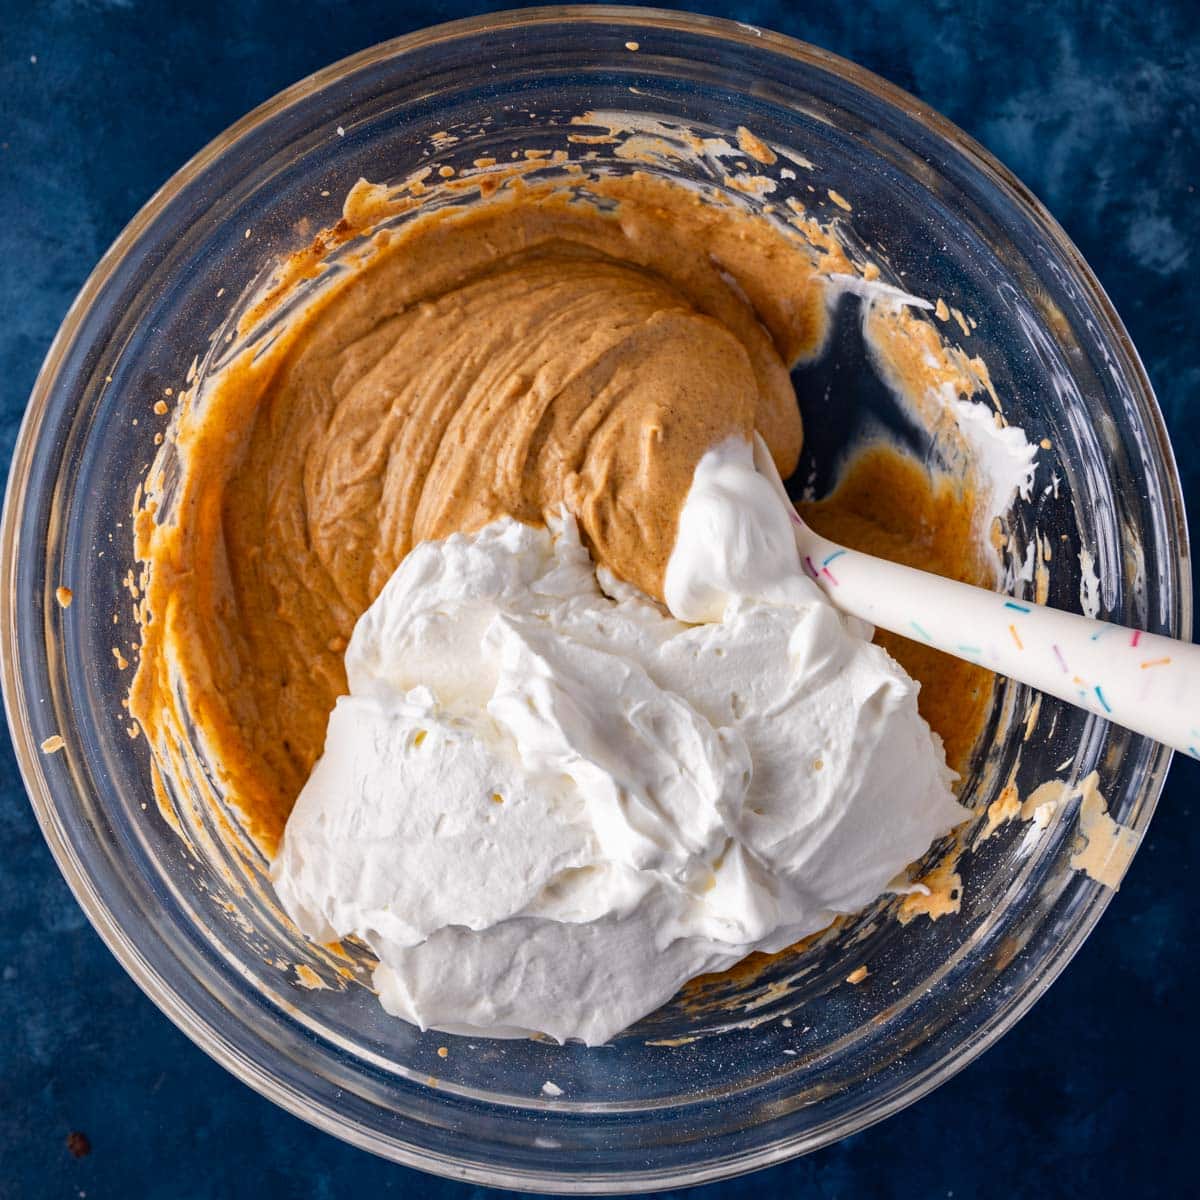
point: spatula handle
(1148, 683)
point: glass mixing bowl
(771, 1061)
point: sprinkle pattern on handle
(1146, 682)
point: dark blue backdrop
(1096, 107)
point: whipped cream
(546, 803)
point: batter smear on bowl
(474, 588)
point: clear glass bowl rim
(28, 752)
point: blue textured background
(1096, 107)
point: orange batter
(579, 341)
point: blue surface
(1096, 107)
